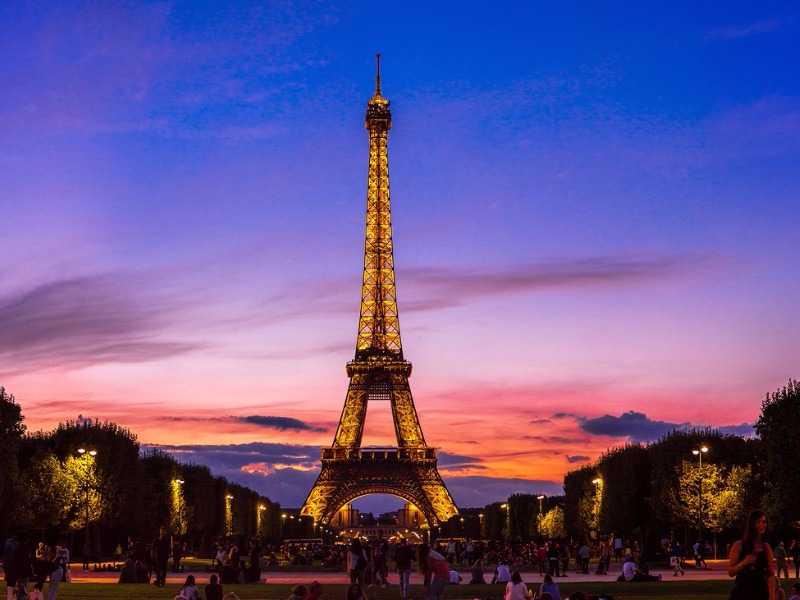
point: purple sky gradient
(594, 211)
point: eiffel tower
(379, 373)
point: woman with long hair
(516, 588)
(354, 592)
(356, 562)
(751, 561)
(189, 589)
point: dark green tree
(522, 512)
(625, 493)
(777, 429)
(578, 487)
(11, 431)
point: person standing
(438, 569)
(87, 555)
(794, 552)
(403, 564)
(18, 568)
(780, 560)
(751, 561)
(356, 562)
(160, 553)
(62, 559)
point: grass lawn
(673, 590)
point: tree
(522, 510)
(577, 487)
(11, 431)
(46, 493)
(667, 457)
(777, 429)
(551, 525)
(625, 476)
(90, 499)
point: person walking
(675, 560)
(403, 560)
(751, 561)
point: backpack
(361, 563)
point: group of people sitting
(213, 591)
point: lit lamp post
(283, 524)
(699, 453)
(260, 524)
(86, 485)
(480, 520)
(507, 527)
(229, 514)
(540, 497)
(178, 505)
(596, 481)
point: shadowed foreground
(673, 590)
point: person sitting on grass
(550, 588)
(477, 572)
(630, 572)
(213, 590)
(516, 588)
(354, 592)
(795, 591)
(189, 589)
(230, 596)
(299, 592)
(314, 590)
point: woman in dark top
(751, 561)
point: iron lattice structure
(379, 373)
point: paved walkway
(717, 570)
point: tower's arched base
(408, 473)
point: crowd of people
(753, 563)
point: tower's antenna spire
(378, 76)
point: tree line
(92, 480)
(639, 491)
(651, 491)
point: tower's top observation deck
(378, 106)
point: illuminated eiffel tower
(379, 373)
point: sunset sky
(595, 216)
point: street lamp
(480, 518)
(597, 481)
(86, 485)
(229, 514)
(504, 506)
(699, 453)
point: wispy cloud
(446, 287)
(730, 32)
(87, 320)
